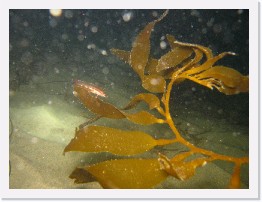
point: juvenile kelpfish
(91, 88)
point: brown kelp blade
(116, 141)
(128, 173)
(81, 176)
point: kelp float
(183, 61)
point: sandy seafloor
(44, 117)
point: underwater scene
(128, 99)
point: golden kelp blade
(235, 178)
(141, 48)
(173, 58)
(150, 99)
(128, 173)
(230, 79)
(143, 118)
(226, 80)
(105, 139)
(154, 83)
(123, 55)
(180, 169)
(173, 43)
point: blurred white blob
(163, 45)
(64, 36)
(105, 70)
(103, 52)
(94, 29)
(56, 12)
(81, 37)
(155, 14)
(127, 16)
(91, 46)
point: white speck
(163, 45)
(26, 24)
(57, 70)
(86, 24)
(240, 11)
(50, 102)
(139, 66)
(34, 140)
(127, 16)
(154, 82)
(105, 70)
(91, 46)
(64, 36)
(103, 52)
(81, 37)
(154, 14)
(94, 29)
(193, 89)
(188, 124)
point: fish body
(91, 88)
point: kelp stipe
(183, 61)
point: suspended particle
(105, 70)
(94, 29)
(127, 16)
(56, 12)
(103, 52)
(163, 45)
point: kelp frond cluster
(184, 61)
